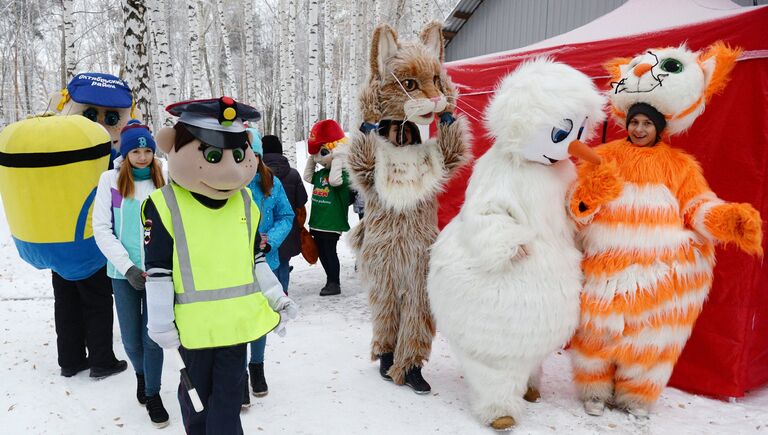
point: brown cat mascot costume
(400, 176)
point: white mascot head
(541, 108)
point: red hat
(323, 132)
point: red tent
(728, 352)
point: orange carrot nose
(641, 69)
(579, 149)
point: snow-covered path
(320, 377)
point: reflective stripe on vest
(190, 293)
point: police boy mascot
(209, 289)
(49, 170)
(100, 97)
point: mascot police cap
(216, 121)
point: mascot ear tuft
(717, 61)
(165, 139)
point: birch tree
(288, 78)
(162, 67)
(136, 58)
(330, 53)
(314, 67)
(194, 50)
(68, 61)
(222, 26)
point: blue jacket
(276, 216)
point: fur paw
(532, 395)
(503, 423)
(737, 223)
(600, 185)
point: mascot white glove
(273, 291)
(160, 318)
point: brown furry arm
(369, 106)
(453, 141)
(361, 161)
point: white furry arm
(309, 170)
(496, 233)
(335, 177)
(160, 317)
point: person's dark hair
(654, 115)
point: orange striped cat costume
(648, 222)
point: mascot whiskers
(505, 277)
(400, 177)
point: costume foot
(503, 423)
(385, 363)
(414, 380)
(639, 411)
(594, 407)
(532, 395)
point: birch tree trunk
(314, 67)
(230, 72)
(136, 58)
(351, 89)
(288, 78)
(163, 68)
(195, 62)
(69, 60)
(331, 71)
(250, 57)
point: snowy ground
(320, 377)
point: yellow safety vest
(218, 300)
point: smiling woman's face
(642, 131)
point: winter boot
(246, 403)
(385, 363)
(414, 380)
(258, 382)
(141, 395)
(331, 289)
(68, 372)
(103, 372)
(532, 395)
(156, 411)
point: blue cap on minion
(100, 89)
(135, 135)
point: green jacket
(330, 205)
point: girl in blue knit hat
(118, 231)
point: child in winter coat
(117, 228)
(276, 222)
(330, 196)
(297, 197)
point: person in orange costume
(649, 221)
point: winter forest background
(297, 61)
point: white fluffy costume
(400, 183)
(649, 224)
(505, 277)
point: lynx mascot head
(407, 81)
(676, 81)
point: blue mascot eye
(559, 134)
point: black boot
(331, 289)
(246, 396)
(68, 372)
(385, 363)
(141, 395)
(156, 411)
(414, 380)
(103, 372)
(258, 382)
